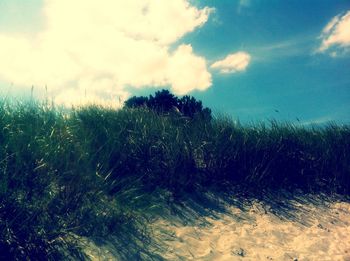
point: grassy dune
(95, 173)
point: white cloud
(100, 48)
(196, 78)
(336, 33)
(78, 97)
(315, 121)
(233, 63)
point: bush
(164, 102)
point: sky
(254, 60)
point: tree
(190, 107)
(165, 102)
(135, 102)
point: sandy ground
(299, 229)
(308, 230)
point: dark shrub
(165, 102)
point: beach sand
(306, 228)
(301, 228)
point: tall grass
(65, 175)
(52, 190)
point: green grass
(90, 172)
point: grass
(94, 172)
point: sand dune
(312, 230)
(304, 228)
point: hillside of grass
(93, 172)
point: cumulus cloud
(100, 48)
(78, 97)
(197, 78)
(336, 33)
(233, 63)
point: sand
(302, 228)
(311, 230)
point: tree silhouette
(135, 102)
(190, 107)
(165, 102)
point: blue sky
(252, 59)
